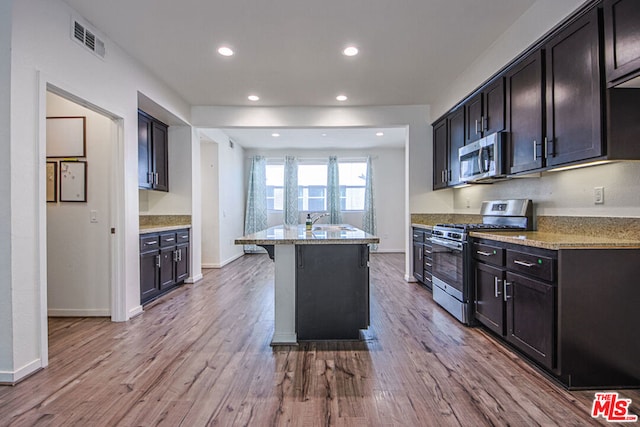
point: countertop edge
(161, 228)
(423, 226)
(346, 241)
(563, 241)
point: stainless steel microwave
(482, 160)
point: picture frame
(73, 181)
(52, 182)
(67, 136)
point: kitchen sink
(333, 227)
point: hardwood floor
(201, 356)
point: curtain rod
(320, 159)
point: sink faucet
(316, 216)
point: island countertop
(321, 234)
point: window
(312, 186)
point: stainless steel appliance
(482, 160)
(451, 253)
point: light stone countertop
(423, 226)
(322, 234)
(146, 229)
(556, 241)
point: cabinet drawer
(428, 263)
(542, 267)
(182, 236)
(489, 254)
(167, 239)
(418, 235)
(149, 242)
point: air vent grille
(87, 38)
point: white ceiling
(332, 138)
(289, 51)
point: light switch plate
(93, 216)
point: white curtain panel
(290, 214)
(256, 215)
(333, 191)
(369, 217)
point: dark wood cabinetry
(622, 39)
(525, 113)
(574, 112)
(484, 112)
(164, 262)
(448, 137)
(422, 260)
(331, 303)
(153, 157)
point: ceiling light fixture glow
(379, 133)
(350, 51)
(253, 98)
(275, 134)
(225, 51)
(341, 98)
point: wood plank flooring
(201, 356)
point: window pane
(352, 182)
(312, 175)
(316, 205)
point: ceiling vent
(87, 38)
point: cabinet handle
(170, 239)
(426, 251)
(476, 126)
(495, 287)
(156, 178)
(535, 150)
(179, 254)
(483, 253)
(155, 242)
(504, 290)
(150, 177)
(158, 261)
(427, 264)
(546, 147)
(427, 279)
(523, 263)
(420, 254)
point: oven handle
(456, 246)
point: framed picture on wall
(73, 181)
(52, 181)
(66, 136)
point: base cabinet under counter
(422, 259)
(164, 262)
(571, 311)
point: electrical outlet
(598, 195)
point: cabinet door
(531, 317)
(167, 273)
(456, 141)
(493, 107)
(440, 154)
(418, 261)
(182, 262)
(160, 156)
(574, 110)
(145, 166)
(622, 38)
(489, 303)
(149, 275)
(525, 109)
(473, 119)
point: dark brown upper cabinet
(574, 112)
(153, 156)
(525, 114)
(622, 39)
(448, 137)
(484, 112)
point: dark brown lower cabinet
(489, 297)
(530, 310)
(164, 263)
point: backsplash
(164, 220)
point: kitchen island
(321, 280)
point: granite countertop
(326, 234)
(556, 241)
(146, 229)
(423, 226)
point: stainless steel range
(452, 278)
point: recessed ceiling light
(253, 98)
(341, 97)
(379, 133)
(225, 51)
(275, 134)
(350, 51)
(324, 134)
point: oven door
(448, 266)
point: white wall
(223, 197)
(6, 297)
(78, 257)
(43, 53)
(389, 190)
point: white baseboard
(222, 264)
(66, 312)
(408, 278)
(135, 311)
(11, 378)
(388, 251)
(194, 279)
